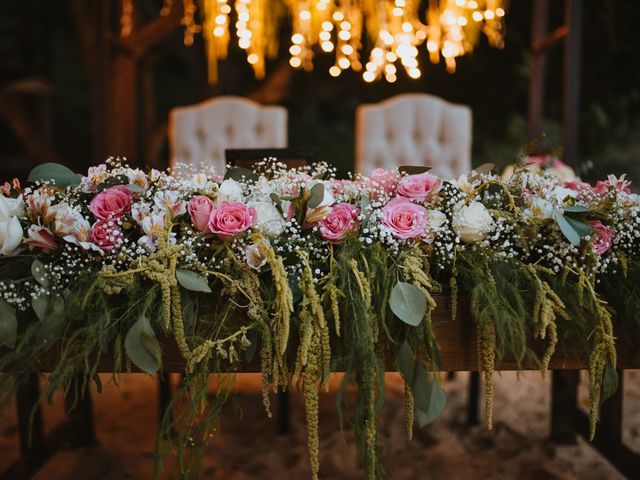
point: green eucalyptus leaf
(565, 227)
(142, 347)
(40, 304)
(59, 174)
(609, 383)
(317, 195)
(52, 323)
(429, 397)
(406, 362)
(408, 303)
(8, 325)
(580, 227)
(484, 168)
(192, 281)
(241, 175)
(577, 209)
(39, 272)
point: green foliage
(8, 325)
(408, 303)
(192, 281)
(142, 347)
(61, 175)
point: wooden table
(458, 352)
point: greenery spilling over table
(310, 274)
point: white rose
(472, 222)
(563, 173)
(10, 236)
(539, 208)
(229, 191)
(436, 219)
(269, 220)
(11, 207)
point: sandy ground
(126, 423)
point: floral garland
(317, 274)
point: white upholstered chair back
(199, 134)
(414, 129)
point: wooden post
(538, 64)
(473, 400)
(100, 81)
(572, 67)
(30, 426)
(564, 405)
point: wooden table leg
(283, 413)
(80, 412)
(164, 395)
(30, 425)
(473, 399)
(564, 405)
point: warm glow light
(400, 32)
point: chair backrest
(199, 134)
(414, 129)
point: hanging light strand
(393, 27)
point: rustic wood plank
(456, 340)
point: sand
(250, 448)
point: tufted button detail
(228, 130)
(201, 134)
(259, 129)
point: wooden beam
(572, 72)
(538, 67)
(142, 40)
(550, 40)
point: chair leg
(284, 413)
(564, 405)
(473, 400)
(451, 376)
(30, 425)
(79, 409)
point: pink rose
(419, 187)
(106, 234)
(113, 202)
(200, 208)
(404, 218)
(601, 236)
(384, 182)
(342, 220)
(41, 237)
(231, 218)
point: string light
(393, 27)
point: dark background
(40, 42)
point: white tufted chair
(199, 134)
(414, 129)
